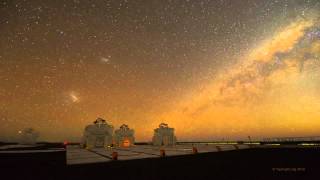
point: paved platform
(77, 155)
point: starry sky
(212, 69)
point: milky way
(272, 91)
(211, 69)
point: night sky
(211, 69)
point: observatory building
(28, 136)
(98, 134)
(124, 136)
(164, 136)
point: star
(105, 59)
(74, 97)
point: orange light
(126, 143)
(114, 155)
(194, 150)
(162, 153)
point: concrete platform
(77, 155)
